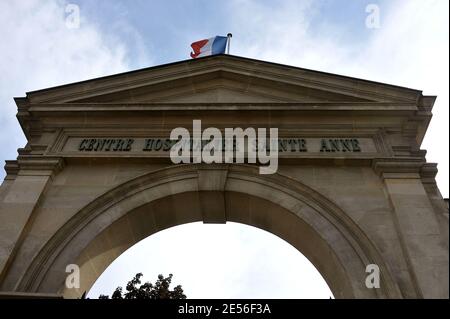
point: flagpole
(229, 36)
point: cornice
(428, 173)
(11, 168)
(239, 66)
(273, 106)
(394, 168)
(39, 165)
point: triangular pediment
(224, 79)
(216, 95)
(221, 87)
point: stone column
(423, 243)
(28, 179)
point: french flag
(209, 46)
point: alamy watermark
(238, 146)
(373, 278)
(72, 18)
(73, 278)
(373, 17)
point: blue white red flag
(210, 46)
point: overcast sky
(39, 49)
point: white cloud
(37, 50)
(410, 49)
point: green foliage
(158, 290)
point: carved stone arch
(317, 227)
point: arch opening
(184, 208)
(117, 220)
(225, 261)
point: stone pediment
(224, 79)
(218, 87)
(227, 83)
(216, 95)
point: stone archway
(351, 175)
(110, 224)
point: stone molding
(353, 235)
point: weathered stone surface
(60, 205)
